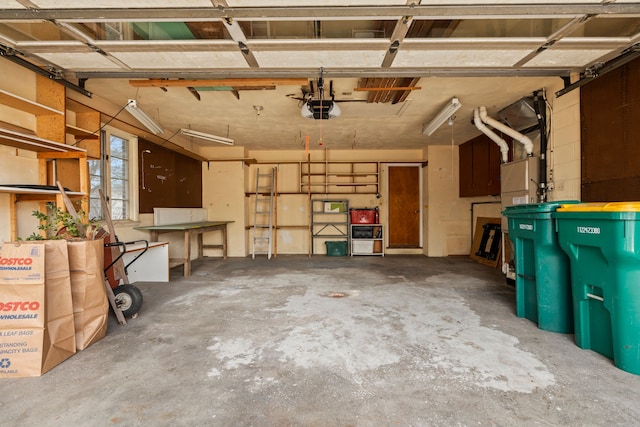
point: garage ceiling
(392, 65)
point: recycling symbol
(5, 363)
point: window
(113, 174)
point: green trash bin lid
(602, 207)
(534, 208)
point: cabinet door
(479, 161)
(481, 166)
(495, 158)
(466, 169)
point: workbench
(189, 229)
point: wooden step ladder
(263, 214)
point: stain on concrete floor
(429, 327)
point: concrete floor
(414, 341)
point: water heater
(518, 184)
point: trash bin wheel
(128, 299)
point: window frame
(105, 178)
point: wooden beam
(236, 83)
(55, 155)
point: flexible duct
(523, 139)
(504, 147)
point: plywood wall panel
(610, 125)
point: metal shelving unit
(366, 239)
(329, 221)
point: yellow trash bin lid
(601, 207)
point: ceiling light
(442, 117)
(142, 117)
(206, 136)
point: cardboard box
(334, 207)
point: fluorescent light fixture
(206, 136)
(442, 117)
(141, 116)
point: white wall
(223, 195)
(563, 165)
(449, 225)
(448, 214)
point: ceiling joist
(382, 90)
(235, 83)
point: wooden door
(404, 206)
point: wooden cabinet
(57, 161)
(479, 161)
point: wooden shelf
(78, 107)
(336, 177)
(20, 190)
(246, 160)
(56, 160)
(26, 105)
(35, 195)
(83, 123)
(33, 143)
(350, 175)
(80, 133)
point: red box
(363, 216)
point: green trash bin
(543, 284)
(603, 244)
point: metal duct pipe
(504, 147)
(523, 139)
(540, 108)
